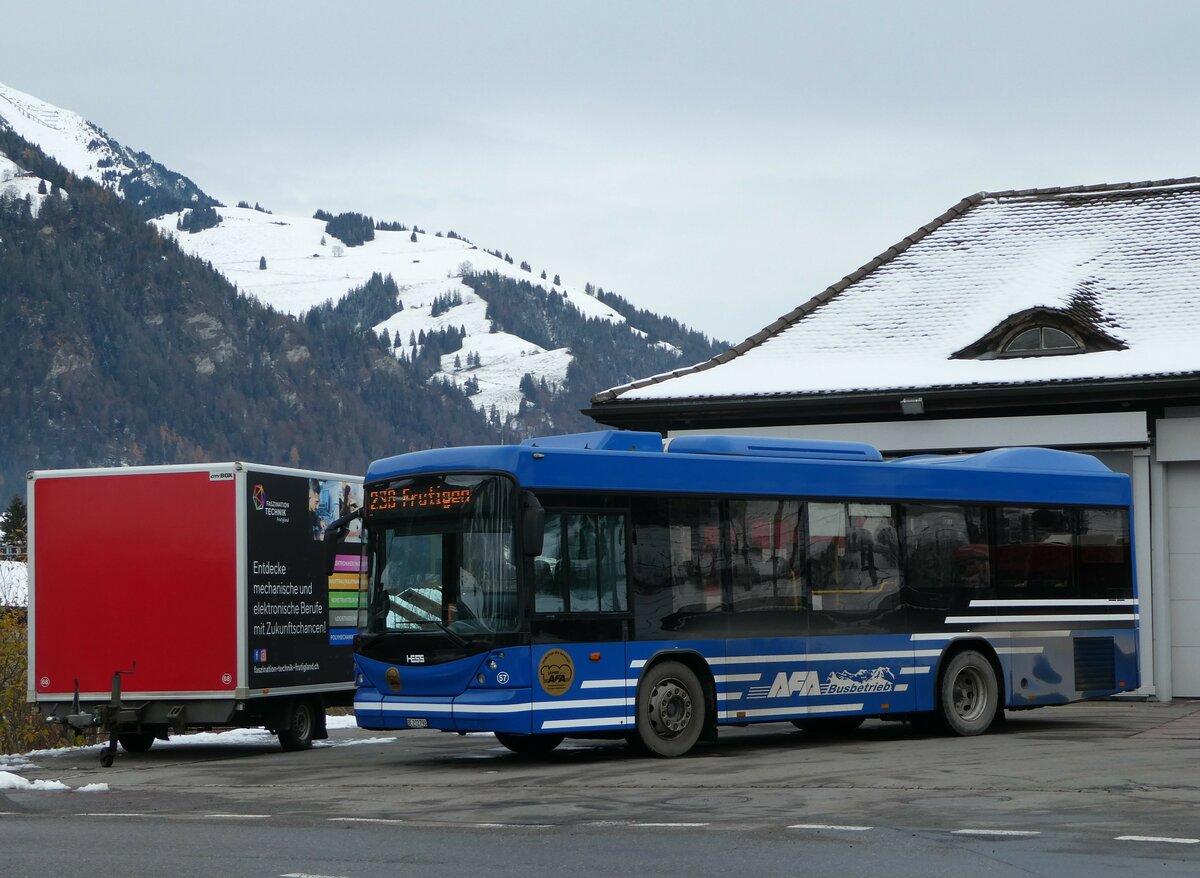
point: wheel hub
(968, 694)
(670, 708)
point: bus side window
(767, 563)
(1035, 552)
(582, 568)
(1105, 561)
(696, 559)
(547, 584)
(948, 559)
(853, 556)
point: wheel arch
(698, 665)
(975, 644)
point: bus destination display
(435, 497)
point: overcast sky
(721, 163)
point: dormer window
(1041, 340)
(1043, 332)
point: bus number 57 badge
(556, 671)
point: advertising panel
(301, 622)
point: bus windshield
(441, 555)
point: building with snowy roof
(1065, 317)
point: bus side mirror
(334, 536)
(533, 526)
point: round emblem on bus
(556, 671)
(502, 677)
(45, 681)
(227, 679)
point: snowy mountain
(306, 266)
(86, 150)
(162, 327)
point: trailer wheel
(136, 742)
(529, 745)
(300, 726)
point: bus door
(581, 623)
(766, 674)
(860, 648)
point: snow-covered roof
(1124, 258)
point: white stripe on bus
(1057, 602)
(825, 657)
(552, 724)
(1097, 617)
(607, 684)
(807, 710)
(992, 635)
(580, 703)
(516, 707)
(1020, 650)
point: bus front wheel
(670, 709)
(529, 745)
(969, 694)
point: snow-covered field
(16, 183)
(74, 142)
(302, 272)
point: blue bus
(611, 584)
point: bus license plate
(418, 723)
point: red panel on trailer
(135, 568)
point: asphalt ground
(1083, 774)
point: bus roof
(627, 461)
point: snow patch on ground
(14, 584)
(10, 781)
(503, 358)
(18, 184)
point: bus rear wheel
(670, 709)
(969, 694)
(529, 745)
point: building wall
(1122, 441)
(1177, 454)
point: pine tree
(528, 387)
(413, 236)
(262, 263)
(13, 524)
